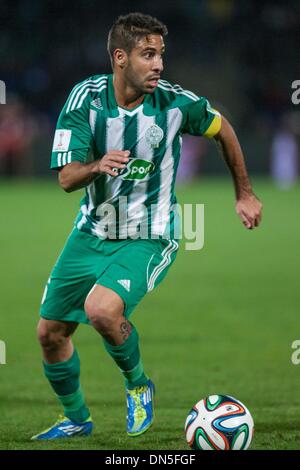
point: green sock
(64, 379)
(127, 357)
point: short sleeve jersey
(91, 123)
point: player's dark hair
(127, 30)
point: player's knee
(48, 339)
(102, 315)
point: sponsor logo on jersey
(62, 140)
(137, 169)
(154, 135)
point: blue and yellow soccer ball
(219, 422)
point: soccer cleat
(140, 413)
(64, 427)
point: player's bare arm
(77, 175)
(248, 206)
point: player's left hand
(249, 210)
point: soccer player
(119, 137)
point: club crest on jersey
(154, 135)
(137, 169)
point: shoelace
(138, 390)
(139, 411)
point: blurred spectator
(193, 149)
(17, 131)
(284, 156)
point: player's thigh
(137, 268)
(103, 302)
(72, 277)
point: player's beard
(137, 82)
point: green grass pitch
(223, 322)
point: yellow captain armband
(215, 125)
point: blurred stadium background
(241, 55)
(238, 299)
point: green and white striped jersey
(91, 123)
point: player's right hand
(112, 161)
